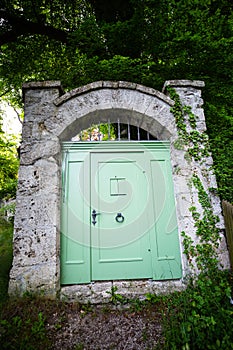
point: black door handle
(94, 214)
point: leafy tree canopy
(144, 41)
(9, 163)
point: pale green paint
(132, 178)
(120, 250)
(75, 236)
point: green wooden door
(119, 186)
(129, 186)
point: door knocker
(119, 217)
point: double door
(118, 214)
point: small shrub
(23, 333)
(23, 323)
(201, 317)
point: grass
(6, 233)
(23, 323)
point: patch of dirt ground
(104, 328)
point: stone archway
(106, 101)
(52, 117)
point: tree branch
(16, 112)
(5, 92)
(18, 25)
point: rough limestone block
(30, 152)
(34, 246)
(38, 279)
(166, 288)
(94, 293)
(133, 289)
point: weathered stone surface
(121, 85)
(101, 292)
(30, 152)
(43, 84)
(184, 83)
(51, 118)
(38, 279)
(95, 293)
(127, 105)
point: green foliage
(98, 132)
(116, 298)
(196, 142)
(135, 305)
(8, 166)
(203, 253)
(9, 207)
(145, 42)
(6, 233)
(201, 316)
(20, 334)
(23, 333)
(221, 144)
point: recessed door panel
(75, 240)
(166, 261)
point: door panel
(75, 240)
(166, 261)
(119, 249)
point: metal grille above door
(113, 132)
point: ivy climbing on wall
(186, 121)
(201, 253)
(204, 252)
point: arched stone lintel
(135, 105)
(112, 85)
(145, 122)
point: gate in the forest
(123, 203)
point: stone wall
(52, 117)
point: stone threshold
(101, 292)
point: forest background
(146, 42)
(142, 41)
